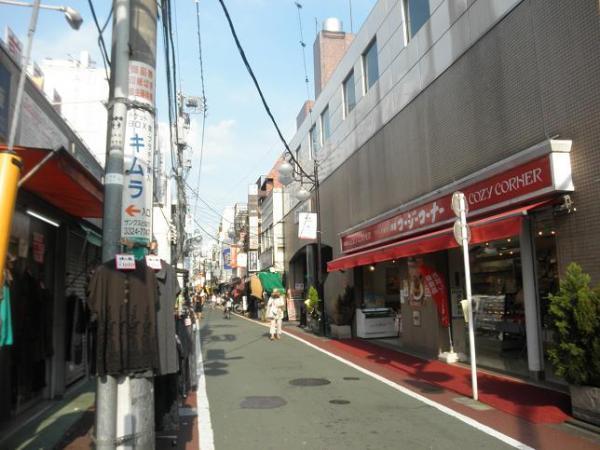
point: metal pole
(319, 253)
(22, 76)
(465, 246)
(106, 388)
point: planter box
(585, 401)
(341, 331)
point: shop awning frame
(499, 226)
(61, 180)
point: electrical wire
(258, 88)
(198, 29)
(101, 43)
(303, 45)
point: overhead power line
(101, 43)
(260, 93)
(200, 59)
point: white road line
(469, 421)
(205, 430)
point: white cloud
(69, 42)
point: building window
(314, 142)
(349, 94)
(325, 125)
(370, 66)
(416, 13)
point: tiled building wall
(534, 75)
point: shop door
(81, 256)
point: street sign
(136, 214)
(456, 204)
(458, 232)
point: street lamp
(288, 174)
(71, 15)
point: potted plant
(342, 318)
(575, 320)
(312, 309)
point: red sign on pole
(528, 180)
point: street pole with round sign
(462, 234)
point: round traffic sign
(458, 232)
(456, 203)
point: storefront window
(500, 314)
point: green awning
(91, 236)
(270, 281)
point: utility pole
(106, 387)
(139, 414)
(131, 112)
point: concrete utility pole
(131, 112)
(106, 388)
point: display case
(375, 323)
(490, 313)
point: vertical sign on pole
(136, 216)
(462, 235)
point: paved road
(258, 399)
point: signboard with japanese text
(141, 82)
(307, 226)
(4, 102)
(253, 261)
(526, 181)
(227, 258)
(136, 213)
(14, 45)
(39, 247)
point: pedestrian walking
(275, 313)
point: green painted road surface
(256, 402)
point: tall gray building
(496, 99)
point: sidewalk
(44, 426)
(529, 413)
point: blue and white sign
(227, 258)
(136, 214)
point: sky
(241, 143)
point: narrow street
(284, 394)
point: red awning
(500, 226)
(62, 181)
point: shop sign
(234, 258)
(141, 82)
(253, 261)
(532, 179)
(4, 102)
(227, 258)
(14, 45)
(242, 260)
(307, 226)
(136, 213)
(39, 247)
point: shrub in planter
(575, 319)
(344, 307)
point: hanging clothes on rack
(124, 304)
(6, 332)
(166, 410)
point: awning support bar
(38, 166)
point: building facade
(439, 96)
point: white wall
(83, 89)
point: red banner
(439, 292)
(525, 181)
